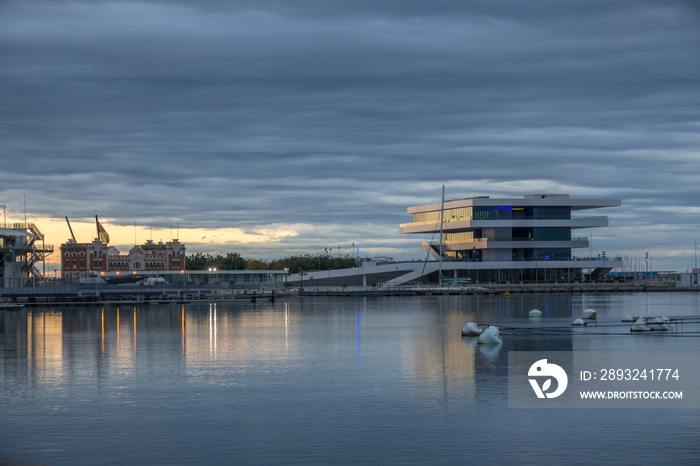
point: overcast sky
(291, 126)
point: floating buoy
(535, 313)
(628, 318)
(578, 322)
(590, 314)
(658, 324)
(640, 325)
(471, 330)
(490, 336)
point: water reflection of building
(59, 344)
(448, 368)
(36, 338)
(102, 343)
(214, 332)
(443, 369)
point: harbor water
(321, 380)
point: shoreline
(166, 295)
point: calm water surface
(318, 381)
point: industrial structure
(80, 260)
(98, 263)
(22, 252)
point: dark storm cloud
(340, 113)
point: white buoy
(640, 325)
(658, 324)
(535, 313)
(628, 318)
(471, 330)
(490, 336)
(590, 314)
(578, 322)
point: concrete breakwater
(36, 296)
(427, 290)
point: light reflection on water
(319, 380)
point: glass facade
(504, 212)
(535, 231)
(225, 278)
(450, 215)
(556, 213)
(542, 234)
(507, 212)
(456, 238)
(516, 276)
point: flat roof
(196, 272)
(12, 232)
(537, 200)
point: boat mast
(442, 212)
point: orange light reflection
(118, 335)
(103, 330)
(134, 329)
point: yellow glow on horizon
(123, 237)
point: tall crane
(71, 229)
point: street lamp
(536, 271)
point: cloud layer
(341, 114)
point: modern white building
(527, 239)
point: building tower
(528, 239)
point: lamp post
(536, 271)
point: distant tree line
(231, 261)
(234, 261)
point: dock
(494, 289)
(158, 294)
(163, 294)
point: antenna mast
(442, 212)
